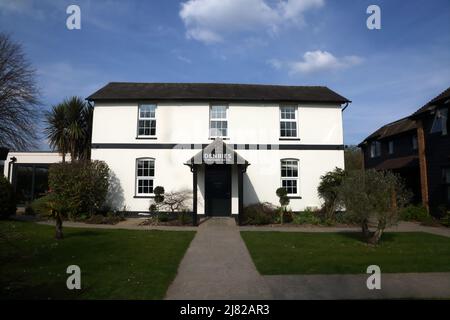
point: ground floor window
(289, 175)
(30, 181)
(145, 173)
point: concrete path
(393, 286)
(217, 265)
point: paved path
(217, 265)
(393, 286)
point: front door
(218, 190)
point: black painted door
(218, 190)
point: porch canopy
(217, 152)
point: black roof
(391, 129)
(431, 105)
(215, 91)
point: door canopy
(217, 152)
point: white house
(230, 144)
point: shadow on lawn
(357, 236)
(84, 233)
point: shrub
(40, 206)
(287, 216)
(7, 198)
(82, 186)
(446, 219)
(101, 219)
(414, 213)
(184, 217)
(163, 217)
(259, 213)
(306, 217)
(328, 191)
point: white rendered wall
(33, 157)
(189, 123)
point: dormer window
(440, 122)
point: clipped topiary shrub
(7, 198)
(259, 214)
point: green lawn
(339, 253)
(115, 264)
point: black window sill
(143, 197)
(218, 137)
(294, 197)
(291, 139)
(146, 138)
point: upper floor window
(218, 123)
(440, 122)
(375, 149)
(289, 176)
(147, 120)
(391, 146)
(288, 121)
(145, 173)
(414, 142)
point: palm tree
(69, 128)
(56, 130)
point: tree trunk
(59, 231)
(365, 229)
(378, 233)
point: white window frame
(296, 179)
(212, 136)
(141, 118)
(147, 178)
(289, 120)
(391, 147)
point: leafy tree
(81, 186)
(353, 158)
(371, 194)
(284, 201)
(19, 97)
(69, 128)
(328, 190)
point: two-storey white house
(231, 145)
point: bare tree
(18, 97)
(176, 200)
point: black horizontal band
(234, 146)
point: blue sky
(387, 73)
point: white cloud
(316, 61)
(210, 20)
